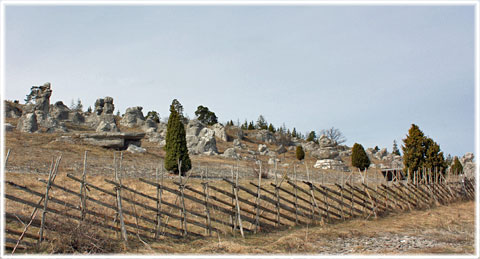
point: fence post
(239, 219)
(182, 199)
(295, 191)
(6, 159)
(205, 193)
(233, 219)
(119, 200)
(51, 177)
(257, 200)
(277, 205)
(159, 202)
(83, 189)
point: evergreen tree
(434, 159)
(176, 143)
(89, 110)
(457, 167)
(414, 149)
(245, 125)
(205, 115)
(261, 122)
(376, 149)
(179, 109)
(360, 159)
(300, 153)
(250, 126)
(231, 122)
(271, 128)
(154, 116)
(312, 136)
(294, 133)
(395, 149)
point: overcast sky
(370, 71)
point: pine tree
(205, 115)
(176, 143)
(261, 122)
(250, 126)
(294, 133)
(300, 153)
(271, 128)
(312, 136)
(395, 149)
(154, 116)
(178, 107)
(434, 159)
(414, 149)
(457, 167)
(360, 159)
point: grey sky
(370, 71)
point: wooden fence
(150, 209)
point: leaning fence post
(233, 219)
(6, 159)
(119, 201)
(239, 219)
(51, 177)
(277, 204)
(83, 189)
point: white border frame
(5, 3)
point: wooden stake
(119, 203)
(6, 159)
(257, 200)
(296, 198)
(51, 177)
(239, 219)
(83, 190)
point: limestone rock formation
(220, 132)
(12, 110)
(60, 111)
(281, 149)
(135, 149)
(238, 144)
(103, 119)
(265, 136)
(133, 117)
(200, 139)
(309, 146)
(331, 164)
(468, 164)
(117, 140)
(231, 153)
(28, 123)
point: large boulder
(106, 123)
(265, 136)
(220, 132)
(150, 125)
(59, 111)
(200, 139)
(325, 142)
(281, 149)
(9, 127)
(133, 117)
(262, 148)
(331, 164)
(28, 123)
(325, 153)
(381, 154)
(135, 149)
(231, 153)
(309, 146)
(468, 164)
(117, 140)
(12, 110)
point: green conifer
(360, 159)
(457, 167)
(176, 143)
(300, 153)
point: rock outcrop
(133, 117)
(328, 155)
(231, 153)
(28, 123)
(265, 136)
(331, 164)
(468, 164)
(220, 132)
(103, 119)
(117, 140)
(200, 139)
(12, 110)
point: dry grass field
(441, 230)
